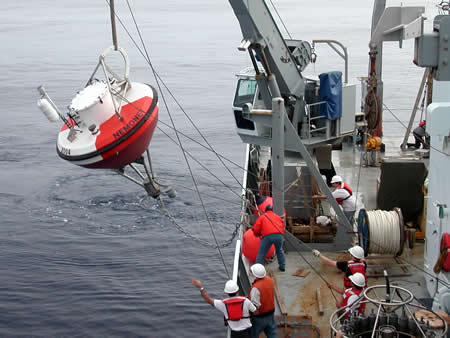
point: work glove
(316, 252)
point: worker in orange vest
(262, 296)
(270, 227)
(236, 309)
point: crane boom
(283, 58)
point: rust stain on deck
(305, 301)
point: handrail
(307, 106)
(344, 56)
(237, 251)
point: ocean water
(85, 253)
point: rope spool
(381, 232)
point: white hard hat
(336, 179)
(231, 287)
(258, 270)
(358, 279)
(357, 252)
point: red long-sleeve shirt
(268, 224)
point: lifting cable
(201, 164)
(178, 137)
(179, 105)
(174, 141)
(196, 160)
(198, 239)
(182, 148)
(282, 22)
(178, 132)
(168, 90)
(147, 58)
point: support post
(278, 118)
(416, 105)
(378, 9)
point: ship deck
(298, 295)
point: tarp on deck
(331, 92)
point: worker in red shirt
(270, 227)
(351, 295)
(354, 265)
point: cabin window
(245, 92)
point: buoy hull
(251, 244)
(115, 142)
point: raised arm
(326, 260)
(203, 292)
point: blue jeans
(266, 243)
(266, 324)
(349, 215)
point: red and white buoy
(100, 138)
(110, 123)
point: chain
(196, 238)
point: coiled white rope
(384, 230)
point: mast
(113, 24)
(388, 24)
(376, 52)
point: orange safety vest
(235, 308)
(354, 267)
(346, 187)
(347, 294)
(262, 206)
(265, 287)
(268, 224)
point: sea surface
(85, 253)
